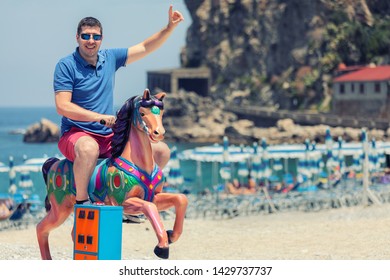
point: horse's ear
(146, 94)
(160, 96)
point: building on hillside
(172, 80)
(363, 92)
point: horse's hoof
(169, 233)
(162, 253)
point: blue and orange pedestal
(97, 232)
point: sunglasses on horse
(96, 37)
(152, 102)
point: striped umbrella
(256, 163)
(243, 170)
(25, 180)
(12, 176)
(4, 167)
(304, 163)
(373, 157)
(316, 162)
(278, 165)
(340, 156)
(225, 170)
(329, 147)
(265, 165)
(357, 162)
(175, 176)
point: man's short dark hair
(91, 22)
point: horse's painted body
(111, 180)
(129, 178)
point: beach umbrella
(304, 163)
(25, 184)
(357, 162)
(328, 144)
(225, 170)
(316, 162)
(265, 164)
(256, 163)
(278, 165)
(4, 167)
(329, 153)
(340, 156)
(214, 153)
(302, 167)
(381, 154)
(373, 157)
(255, 148)
(366, 173)
(329, 148)
(175, 176)
(256, 172)
(311, 160)
(243, 170)
(12, 176)
(31, 165)
(25, 181)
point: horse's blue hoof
(162, 253)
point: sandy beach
(354, 233)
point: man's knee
(161, 154)
(87, 147)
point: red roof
(367, 74)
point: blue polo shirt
(92, 87)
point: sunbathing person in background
(235, 187)
(6, 207)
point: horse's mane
(122, 128)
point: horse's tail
(45, 171)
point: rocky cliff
(282, 52)
(273, 53)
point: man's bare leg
(87, 153)
(161, 153)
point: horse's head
(140, 112)
(147, 115)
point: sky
(35, 34)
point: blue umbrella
(340, 156)
(4, 167)
(242, 169)
(12, 176)
(265, 165)
(278, 165)
(175, 177)
(329, 149)
(316, 163)
(25, 180)
(304, 164)
(225, 170)
(256, 163)
(357, 162)
(373, 157)
(242, 166)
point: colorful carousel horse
(129, 178)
